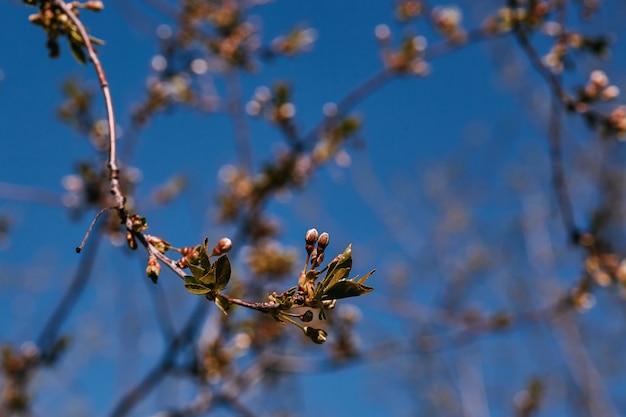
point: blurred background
(470, 151)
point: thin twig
(91, 226)
(263, 307)
(114, 171)
(350, 100)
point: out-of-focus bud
(223, 246)
(93, 5)
(316, 335)
(34, 18)
(153, 269)
(610, 93)
(599, 78)
(130, 239)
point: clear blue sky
(463, 132)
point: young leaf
(222, 272)
(222, 303)
(77, 51)
(208, 278)
(205, 262)
(365, 277)
(342, 261)
(346, 289)
(197, 271)
(198, 289)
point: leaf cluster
(208, 278)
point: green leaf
(197, 271)
(77, 51)
(342, 261)
(222, 272)
(209, 278)
(337, 270)
(346, 289)
(196, 287)
(222, 303)
(365, 277)
(205, 262)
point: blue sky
(457, 138)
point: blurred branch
(239, 119)
(167, 362)
(49, 333)
(559, 182)
(26, 194)
(583, 371)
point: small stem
(290, 320)
(80, 247)
(170, 263)
(264, 307)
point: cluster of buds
(616, 121)
(270, 259)
(447, 20)
(275, 105)
(408, 59)
(598, 88)
(315, 245)
(408, 9)
(316, 253)
(235, 38)
(191, 254)
(332, 140)
(506, 18)
(298, 41)
(606, 269)
(16, 367)
(55, 22)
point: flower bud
(310, 238)
(223, 246)
(94, 5)
(153, 269)
(322, 242)
(316, 335)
